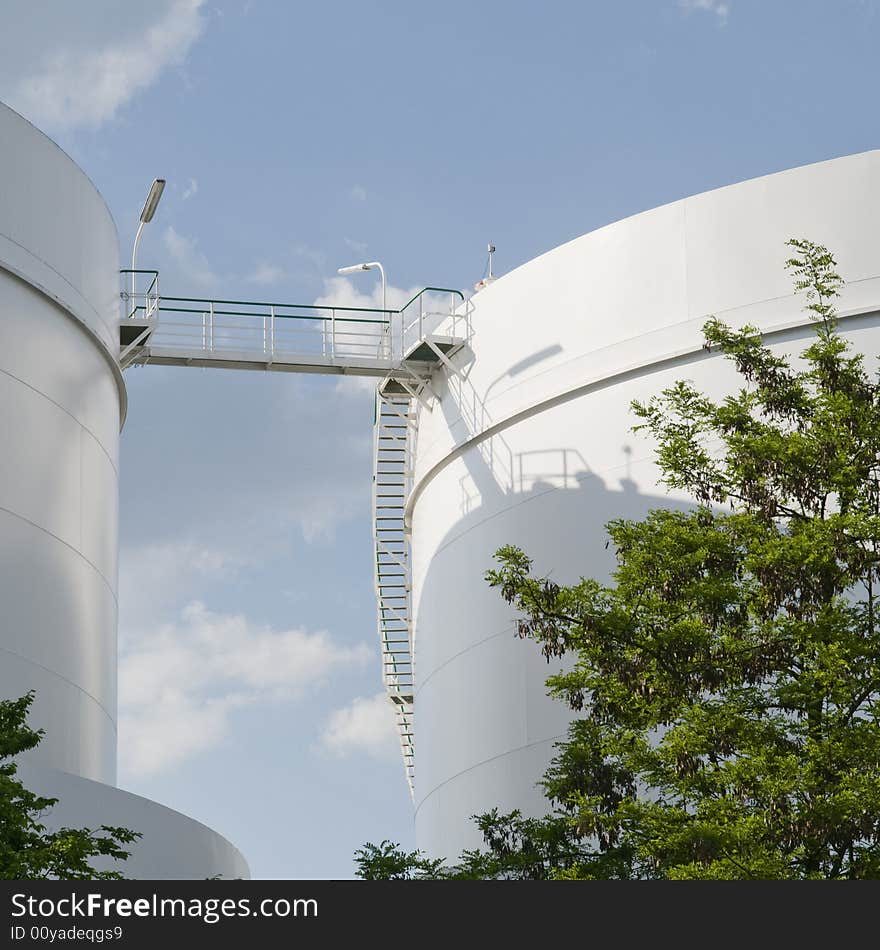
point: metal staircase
(402, 348)
(394, 443)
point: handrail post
(333, 334)
(265, 336)
(212, 326)
(272, 332)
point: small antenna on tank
(488, 275)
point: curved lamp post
(147, 212)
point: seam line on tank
(67, 544)
(473, 646)
(494, 758)
(67, 412)
(111, 360)
(800, 322)
(64, 679)
(533, 496)
(782, 328)
(690, 354)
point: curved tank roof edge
(676, 201)
(151, 802)
(120, 382)
(72, 161)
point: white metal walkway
(247, 334)
(402, 348)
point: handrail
(266, 303)
(153, 282)
(278, 316)
(433, 290)
(297, 306)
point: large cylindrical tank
(62, 403)
(531, 444)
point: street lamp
(147, 212)
(354, 268)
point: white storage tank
(533, 445)
(62, 404)
(62, 401)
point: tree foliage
(27, 850)
(389, 862)
(516, 848)
(727, 680)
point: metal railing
(281, 332)
(274, 330)
(141, 303)
(425, 313)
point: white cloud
(343, 292)
(67, 65)
(191, 189)
(365, 725)
(180, 685)
(265, 458)
(720, 8)
(266, 274)
(153, 578)
(359, 247)
(358, 193)
(314, 258)
(367, 292)
(188, 258)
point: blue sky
(296, 138)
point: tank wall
(60, 409)
(560, 347)
(172, 846)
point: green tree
(516, 848)
(389, 862)
(27, 850)
(726, 682)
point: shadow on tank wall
(567, 500)
(485, 727)
(549, 503)
(546, 501)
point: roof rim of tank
(69, 311)
(582, 388)
(675, 201)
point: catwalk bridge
(402, 349)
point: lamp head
(152, 201)
(354, 268)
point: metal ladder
(396, 428)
